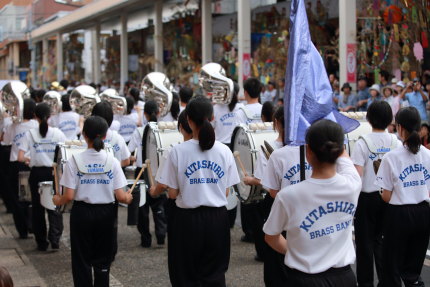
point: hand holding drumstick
(242, 167)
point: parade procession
(263, 171)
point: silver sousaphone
(119, 104)
(12, 99)
(83, 99)
(215, 84)
(53, 99)
(157, 87)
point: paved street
(134, 266)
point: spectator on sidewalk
(375, 94)
(417, 97)
(363, 94)
(347, 100)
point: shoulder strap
(248, 114)
(140, 130)
(93, 169)
(373, 149)
(38, 139)
(114, 139)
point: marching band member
(138, 104)
(151, 112)
(319, 246)
(173, 114)
(5, 146)
(67, 121)
(93, 179)
(405, 182)
(185, 95)
(369, 216)
(39, 144)
(199, 173)
(117, 142)
(128, 122)
(15, 133)
(155, 191)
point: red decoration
(392, 14)
(424, 40)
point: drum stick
(265, 152)
(242, 167)
(148, 167)
(138, 177)
(269, 148)
(54, 165)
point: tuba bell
(83, 99)
(12, 99)
(53, 99)
(119, 104)
(215, 84)
(156, 86)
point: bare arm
(22, 158)
(277, 242)
(122, 196)
(125, 162)
(173, 193)
(68, 196)
(250, 180)
(158, 189)
(359, 169)
(273, 192)
(386, 195)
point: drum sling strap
(379, 151)
(93, 168)
(249, 115)
(140, 130)
(39, 140)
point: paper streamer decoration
(424, 39)
(397, 74)
(418, 51)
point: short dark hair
(384, 74)
(325, 139)
(183, 122)
(379, 115)
(253, 87)
(185, 93)
(267, 111)
(29, 107)
(65, 100)
(64, 83)
(104, 110)
(152, 110)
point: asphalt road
(137, 266)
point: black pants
(368, 222)
(170, 212)
(160, 221)
(200, 251)
(406, 237)
(334, 277)
(20, 209)
(5, 192)
(55, 218)
(91, 238)
(247, 214)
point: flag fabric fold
(308, 94)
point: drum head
(363, 129)
(46, 192)
(241, 141)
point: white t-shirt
(4, 125)
(261, 164)
(17, 132)
(42, 153)
(201, 176)
(93, 188)
(181, 109)
(136, 144)
(406, 175)
(362, 156)
(225, 121)
(68, 123)
(268, 96)
(115, 125)
(317, 215)
(119, 147)
(167, 118)
(254, 110)
(128, 123)
(283, 168)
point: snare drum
(24, 192)
(46, 192)
(139, 199)
(363, 129)
(129, 172)
(158, 139)
(247, 140)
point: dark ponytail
(325, 139)
(234, 99)
(409, 119)
(95, 129)
(43, 112)
(279, 117)
(151, 109)
(183, 122)
(29, 107)
(174, 109)
(200, 111)
(130, 104)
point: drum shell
(24, 192)
(46, 192)
(133, 207)
(248, 143)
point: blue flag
(308, 94)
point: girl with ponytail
(93, 179)
(128, 122)
(151, 113)
(40, 144)
(199, 173)
(403, 177)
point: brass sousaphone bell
(53, 99)
(83, 99)
(215, 84)
(119, 104)
(156, 86)
(12, 99)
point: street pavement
(133, 266)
